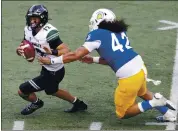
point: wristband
(55, 52)
(57, 60)
(96, 59)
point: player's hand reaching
(19, 50)
(47, 50)
(87, 59)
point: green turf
(94, 84)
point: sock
(144, 106)
(162, 109)
(36, 101)
(74, 100)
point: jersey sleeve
(53, 39)
(92, 42)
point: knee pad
(27, 88)
(22, 88)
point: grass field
(94, 84)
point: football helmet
(37, 11)
(100, 15)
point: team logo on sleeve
(88, 37)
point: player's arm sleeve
(91, 43)
(53, 39)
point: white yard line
(174, 88)
(168, 22)
(158, 123)
(18, 125)
(167, 28)
(95, 126)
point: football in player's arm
(108, 37)
(42, 34)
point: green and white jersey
(48, 36)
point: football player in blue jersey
(108, 37)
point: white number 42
(116, 45)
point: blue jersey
(114, 47)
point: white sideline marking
(174, 87)
(95, 126)
(159, 123)
(18, 125)
(167, 28)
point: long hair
(116, 26)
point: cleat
(77, 106)
(163, 119)
(32, 107)
(159, 100)
(167, 117)
(170, 105)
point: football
(29, 50)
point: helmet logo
(99, 16)
(38, 11)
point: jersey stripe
(33, 84)
(52, 36)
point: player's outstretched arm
(63, 49)
(66, 58)
(76, 55)
(89, 59)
